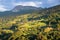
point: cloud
(36, 4)
(2, 8)
(10, 4)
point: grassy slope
(43, 25)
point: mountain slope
(19, 8)
(39, 25)
(29, 9)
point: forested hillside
(36, 25)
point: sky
(10, 4)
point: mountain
(25, 8)
(18, 10)
(29, 24)
(49, 10)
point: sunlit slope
(39, 25)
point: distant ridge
(18, 10)
(21, 8)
